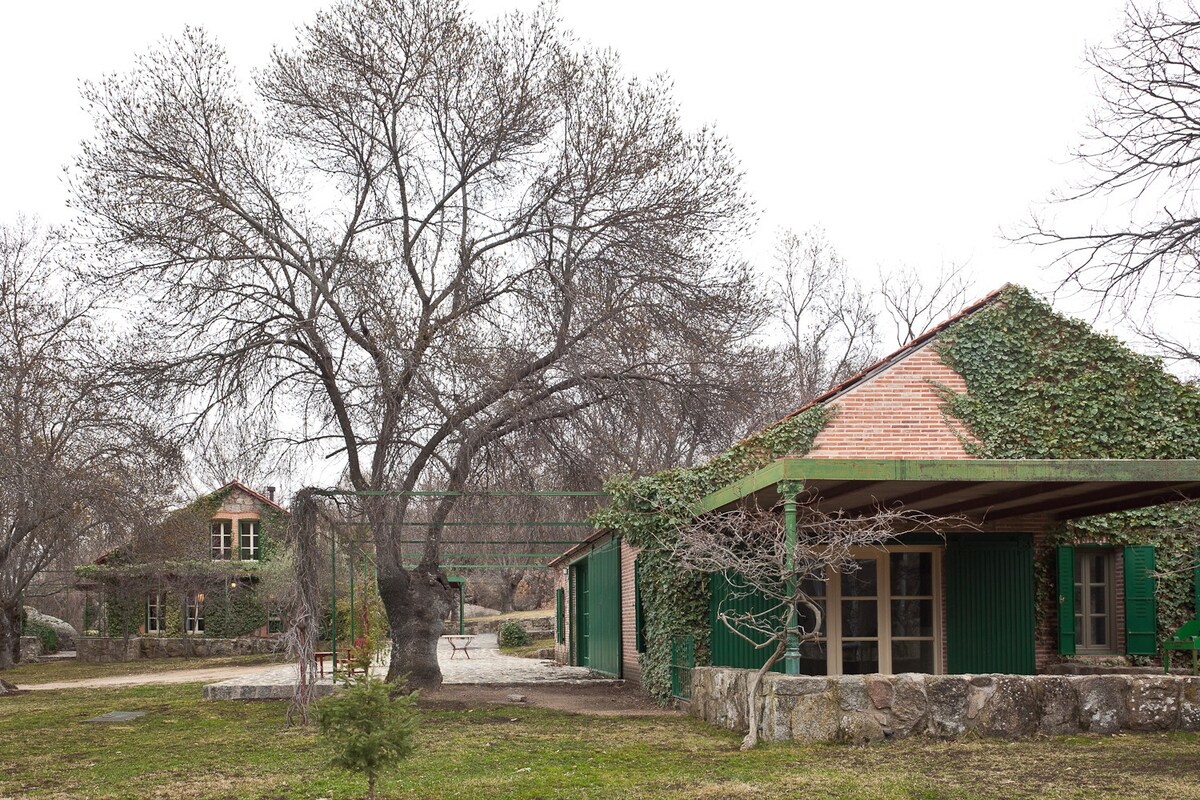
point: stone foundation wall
(865, 708)
(105, 649)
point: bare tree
(1140, 152)
(750, 547)
(829, 321)
(916, 300)
(425, 233)
(80, 457)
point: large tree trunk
(417, 603)
(10, 635)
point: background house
(204, 570)
(1067, 450)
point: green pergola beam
(954, 470)
(390, 493)
(499, 524)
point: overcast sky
(913, 132)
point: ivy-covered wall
(1040, 385)
(649, 511)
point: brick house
(195, 573)
(1024, 589)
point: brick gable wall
(895, 413)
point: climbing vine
(649, 511)
(1040, 385)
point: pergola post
(788, 490)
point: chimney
(271, 493)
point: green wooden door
(604, 609)
(990, 604)
(728, 648)
(579, 630)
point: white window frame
(221, 539)
(193, 616)
(155, 612)
(832, 640)
(252, 526)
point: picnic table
(459, 644)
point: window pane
(912, 574)
(859, 658)
(1099, 632)
(1099, 573)
(860, 618)
(912, 618)
(1079, 640)
(1099, 599)
(813, 587)
(862, 582)
(813, 658)
(912, 657)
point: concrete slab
(486, 665)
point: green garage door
(989, 604)
(597, 631)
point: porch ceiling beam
(1128, 502)
(919, 496)
(987, 501)
(955, 471)
(1089, 498)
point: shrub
(511, 634)
(367, 729)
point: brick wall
(894, 414)
(630, 665)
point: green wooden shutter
(989, 604)
(1066, 600)
(1141, 617)
(560, 632)
(727, 648)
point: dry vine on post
(750, 547)
(305, 603)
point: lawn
(188, 748)
(529, 650)
(59, 671)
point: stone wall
(865, 708)
(105, 649)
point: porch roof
(991, 489)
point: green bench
(1186, 638)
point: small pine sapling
(367, 729)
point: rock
(517, 698)
(1154, 704)
(910, 705)
(1189, 704)
(65, 630)
(1102, 703)
(947, 696)
(1009, 710)
(31, 648)
(471, 610)
(881, 691)
(1058, 703)
(816, 715)
(6, 687)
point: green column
(791, 656)
(462, 605)
(352, 599)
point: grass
(188, 748)
(529, 650)
(58, 671)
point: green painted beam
(954, 470)
(398, 493)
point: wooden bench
(1186, 638)
(344, 658)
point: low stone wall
(865, 708)
(105, 649)
(31, 648)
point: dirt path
(599, 700)
(209, 675)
